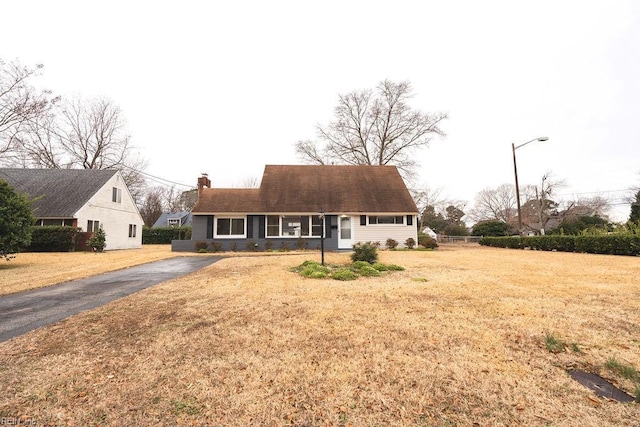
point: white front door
(345, 232)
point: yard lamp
(321, 216)
(515, 171)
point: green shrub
(380, 266)
(391, 243)
(427, 241)
(394, 267)
(344, 274)
(357, 265)
(164, 235)
(53, 239)
(318, 275)
(98, 241)
(203, 250)
(611, 244)
(364, 252)
(369, 271)
(410, 242)
(311, 269)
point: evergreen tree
(16, 221)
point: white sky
(227, 87)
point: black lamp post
(321, 216)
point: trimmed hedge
(608, 244)
(53, 239)
(164, 235)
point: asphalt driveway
(25, 311)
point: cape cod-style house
(84, 198)
(356, 203)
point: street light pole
(515, 171)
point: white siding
(113, 216)
(380, 233)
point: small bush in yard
(427, 241)
(364, 252)
(380, 266)
(410, 243)
(344, 274)
(391, 243)
(200, 245)
(368, 271)
(359, 264)
(98, 240)
(394, 267)
(216, 246)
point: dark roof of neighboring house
(58, 193)
(312, 188)
(184, 217)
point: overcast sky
(227, 87)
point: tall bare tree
(152, 207)
(85, 134)
(495, 204)
(20, 104)
(373, 127)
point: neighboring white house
(84, 198)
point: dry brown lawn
(456, 339)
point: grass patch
(558, 345)
(246, 342)
(624, 370)
(315, 270)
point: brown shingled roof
(237, 200)
(311, 188)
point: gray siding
(199, 231)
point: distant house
(174, 219)
(84, 198)
(357, 204)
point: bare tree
(86, 134)
(495, 204)
(373, 128)
(180, 201)
(20, 104)
(152, 207)
(539, 210)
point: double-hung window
(116, 195)
(132, 230)
(230, 227)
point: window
(92, 226)
(386, 219)
(116, 195)
(132, 230)
(293, 226)
(173, 221)
(230, 227)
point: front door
(345, 232)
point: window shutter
(249, 226)
(409, 219)
(327, 226)
(210, 227)
(363, 220)
(261, 225)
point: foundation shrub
(364, 252)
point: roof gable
(314, 188)
(57, 193)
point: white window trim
(280, 236)
(229, 236)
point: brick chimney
(203, 182)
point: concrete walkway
(25, 311)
